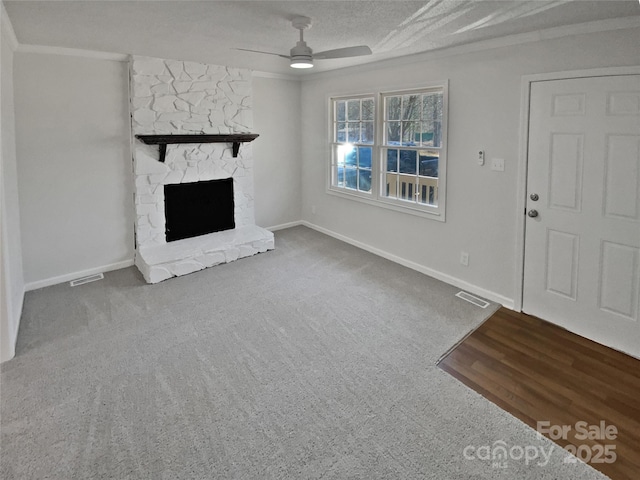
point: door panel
(562, 263)
(568, 104)
(619, 280)
(582, 249)
(621, 188)
(623, 103)
(565, 171)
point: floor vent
(472, 299)
(83, 280)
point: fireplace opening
(198, 208)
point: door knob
(532, 213)
(534, 197)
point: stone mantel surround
(180, 97)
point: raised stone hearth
(160, 262)
(176, 98)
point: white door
(582, 250)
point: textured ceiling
(208, 31)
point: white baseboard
(8, 349)
(476, 290)
(282, 226)
(18, 312)
(13, 336)
(471, 288)
(47, 282)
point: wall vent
(83, 280)
(472, 299)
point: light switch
(497, 164)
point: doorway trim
(523, 160)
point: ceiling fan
(301, 56)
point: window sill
(389, 205)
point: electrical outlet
(497, 164)
(464, 258)
(481, 157)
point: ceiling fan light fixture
(301, 62)
(301, 55)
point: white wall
(277, 165)
(484, 114)
(74, 166)
(12, 281)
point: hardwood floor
(540, 372)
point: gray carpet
(316, 360)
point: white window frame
(376, 197)
(334, 144)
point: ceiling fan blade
(266, 53)
(343, 52)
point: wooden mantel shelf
(163, 140)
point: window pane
(367, 109)
(350, 175)
(410, 133)
(340, 111)
(364, 157)
(431, 106)
(350, 157)
(428, 163)
(353, 135)
(393, 106)
(424, 136)
(428, 189)
(391, 185)
(393, 133)
(340, 179)
(408, 160)
(432, 119)
(341, 132)
(364, 184)
(353, 110)
(341, 152)
(367, 132)
(392, 160)
(411, 107)
(432, 136)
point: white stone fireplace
(177, 98)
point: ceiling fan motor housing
(301, 53)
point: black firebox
(198, 208)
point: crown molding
(7, 29)
(500, 42)
(73, 52)
(278, 76)
(118, 57)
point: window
(412, 131)
(395, 159)
(353, 129)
